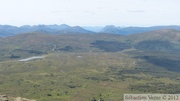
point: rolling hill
(40, 43)
(89, 67)
(164, 40)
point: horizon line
(89, 25)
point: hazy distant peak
(59, 27)
(77, 27)
(110, 26)
(25, 26)
(111, 29)
(65, 25)
(73, 30)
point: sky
(90, 12)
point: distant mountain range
(134, 30)
(8, 30)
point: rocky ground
(7, 98)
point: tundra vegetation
(88, 67)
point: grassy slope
(82, 76)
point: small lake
(32, 58)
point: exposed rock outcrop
(22, 99)
(6, 98)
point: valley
(89, 67)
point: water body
(32, 58)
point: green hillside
(89, 67)
(24, 45)
(84, 76)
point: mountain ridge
(134, 30)
(8, 30)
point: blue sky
(90, 12)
